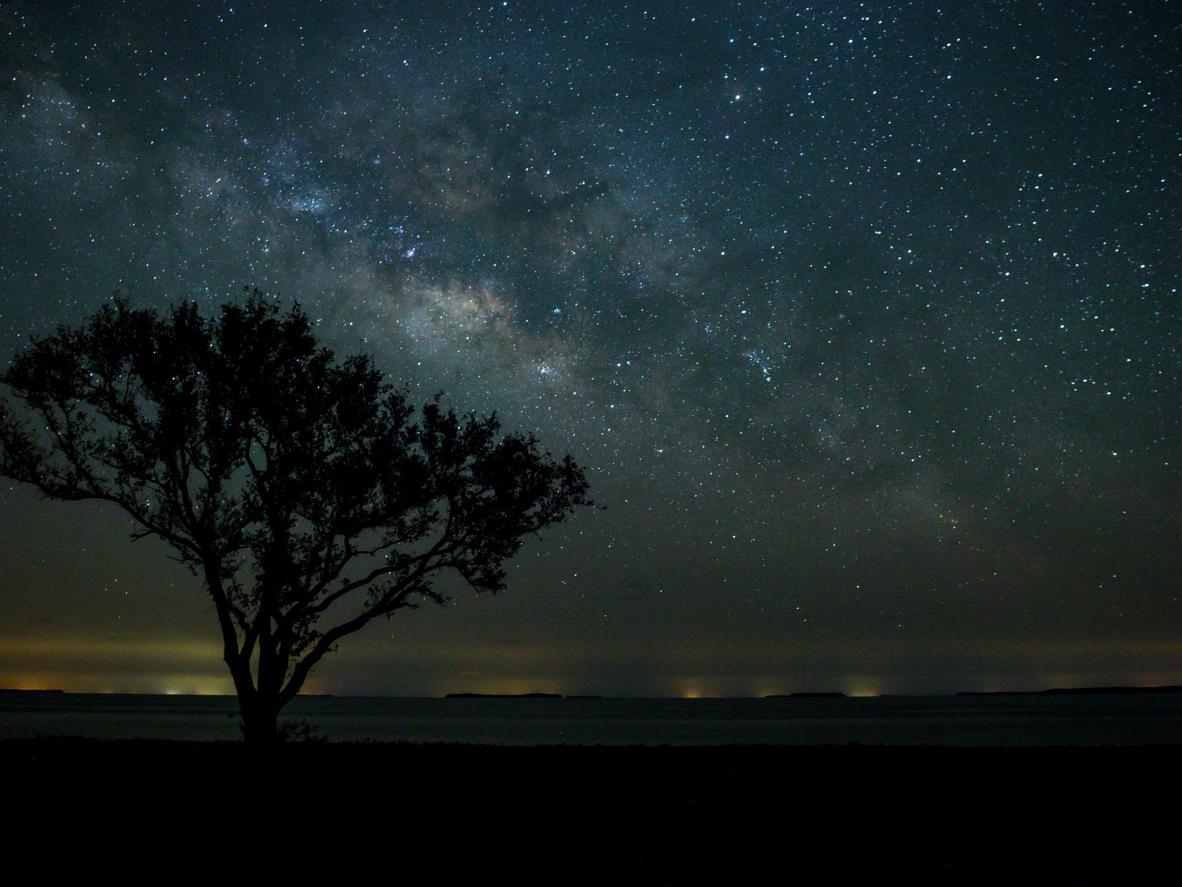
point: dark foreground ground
(172, 813)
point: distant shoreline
(502, 696)
(808, 694)
(805, 694)
(10, 691)
(1072, 691)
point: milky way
(863, 317)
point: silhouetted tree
(304, 491)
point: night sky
(863, 318)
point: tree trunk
(260, 721)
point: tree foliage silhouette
(303, 490)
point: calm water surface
(1100, 719)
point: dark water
(1086, 719)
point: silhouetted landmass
(1072, 691)
(594, 815)
(8, 691)
(808, 694)
(502, 696)
(588, 696)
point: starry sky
(862, 316)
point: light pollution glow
(189, 667)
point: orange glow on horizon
(862, 686)
(192, 666)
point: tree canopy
(306, 491)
